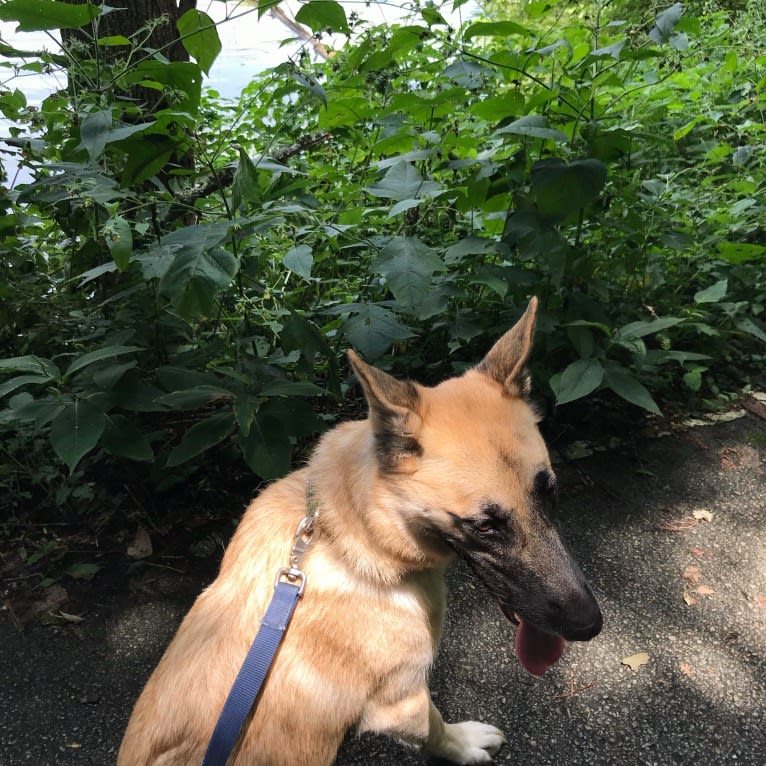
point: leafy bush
(185, 276)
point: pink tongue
(537, 651)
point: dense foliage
(184, 273)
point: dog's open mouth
(537, 651)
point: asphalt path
(671, 533)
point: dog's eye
(485, 526)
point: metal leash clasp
(304, 536)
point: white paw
(472, 742)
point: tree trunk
(136, 13)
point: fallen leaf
(762, 600)
(141, 547)
(680, 525)
(686, 668)
(705, 590)
(70, 617)
(702, 515)
(692, 575)
(699, 553)
(635, 661)
(740, 456)
(689, 599)
(751, 404)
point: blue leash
(252, 673)
(255, 668)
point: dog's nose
(591, 628)
(579, 618)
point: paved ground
(66, 692)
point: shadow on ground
(66, 692)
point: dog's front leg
(416, 721)
(465, 742)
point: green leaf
(35, 15)
(579, 379)
(564, 188)
(183, 77)
(192, 398)
(403, 181)
(712, 294)
(497, 108)
(82, 571)
(107, 352)
(33, 364)
(22, 380)
(740, 252)
(267, 448)
(494, 29)
(614, 50)
(313, 85)
(146, 157)
(119, 240)
(76, 430)
(642, 329)
(625, 385)
(320, 15)
(94, 131)
(533, 126)
(665, 23)
(432, 17)
(126, 131)
(465, 74)
(200, 437)
(470, 245)
(407, 263)
(404, 205)
(292, 388)
(124, 439)
(200, 38)
(372, 329)
(107, 377)
(751, 328)
(296, 416)
(245, 186)
(41, 411)
(199, 267)
(299, 259)
(113, 40)
(693, 378)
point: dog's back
(334, 658)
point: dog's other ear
(507, 359)
(393, 411)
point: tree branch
(225, 176)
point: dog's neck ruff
(288, 588)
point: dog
(433, 473)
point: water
(250, 45)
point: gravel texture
(66, 693)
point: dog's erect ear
(507, 359)
(393, 411)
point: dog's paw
(472, 742)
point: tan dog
(458, 469)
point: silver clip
(303, 538)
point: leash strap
(253, 672)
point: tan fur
(364, 635)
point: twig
(301, 31)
